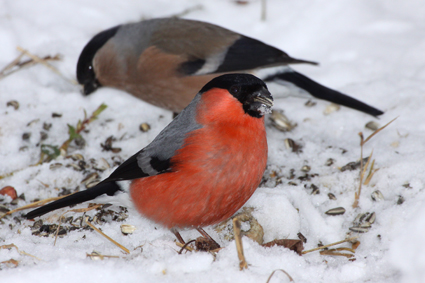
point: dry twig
(45, 63)
(287, 274)
(330, 245)
(107, 237)
(10, 246)
(32, 205)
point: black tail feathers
(319, 91)
(109, 188)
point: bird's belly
(192, 199)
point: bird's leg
(178, 236)
(203, 233)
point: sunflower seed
(310, 103)
(329, 162)
(315, 190)
(26, 136)
(372, 125)
(55, 166)
(359, 229)
(400, 200)
(76, 157)
(101, 164)
(331, 196)
(13, 103)
(90, 178)
(371, 218)
(144, 127)
(377, 196)
(365, 225)
(306, 168)
(331, 108)
(127, 229)
(335, 211)
(281, 122)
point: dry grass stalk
(32, 205)
(334, 253)
(274, 271)
(330, 245)
(372, 172)
(9, 66)
(238, 239)
(96, 256)
(10, 246)
(17, 65)
(363, 169)
(45, 63)
(107, 237)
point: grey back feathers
(164, 146)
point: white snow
(371, 50)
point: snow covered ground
(371, 50)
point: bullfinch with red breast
(165, 61)
(203, 166)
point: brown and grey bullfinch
(203, 166)
(165, 61)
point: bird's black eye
(234, 89)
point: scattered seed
(144, 127)
(90, 178)
(56, 115)
(55, 166)
(400, 200)
(407, 185)
(101, 164)
(43, 136)
(306, 168)
(331, 196)
(335, 211)
(107, 146)
(76, 157)
(353, 165)
(290, 144)
(92, 184)
(310, 103)
(331, 108)
(371, 218)
(13, 103)
(377, 196)
(372, 125)
(37, 225)
(79, 142)
(47, 126)
(26, 136)
(292, 183)
(280, 121)
(329, 162)
(127, 229)
(359, 229)
(74, 166)
(315, 190)
(365, 225)
(32, 122)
